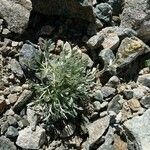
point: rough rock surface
(20, 13)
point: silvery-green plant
(65, 84)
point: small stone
(139, 92)
(144, 80)
(25, 86)
(134, 104)
(98, 96)
(97, 129)
(97, 105)
(6, 144)
(145, 101)
(29, 139)
(11, 132)
(108, 91)
(12, 98)
(4, 127)
(128, 94)
(22, 100)
(113, 81)
(12, 121)
(14, 44)
(95, 41)
(5, 31)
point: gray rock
(22, 100)
(103, 12)
(139, 128)
(107, 145)
(95, 41)
(11, 132)
(107, 56)
(98, 96)
(29, 139)
(128, 94)
(12, 121)
(136, 16)
(86, 58)
(139, 92)
(144, 80)
(113, 82)
(116, 104)
(97, 129)
(21, 13)
(108, 91)
(29, 56)
(71, 9)
(4, 127)
(97, 105)
(6, 144)
(16, 68)
(145, 101)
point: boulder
(16, 13)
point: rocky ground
(114, 36)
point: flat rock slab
(16, 13)
(139, 127)
(29, 139)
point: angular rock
(98, 95)
(139, 92)
(86, 58)
(6, 144)
(12, 98)
(134, 105)
(16, 68)
(111, 39)
(29, 139)
(69, 8)
(128, 94)
(108, 91)
(97, 129)
(95, 41)
(21, 13)
(145, 101)
(136, 16)
(144, 80)
(139, 128)
(103, 12)
(22, 100)
(11, 132)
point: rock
(99, 24)
(29, 139)
(103, 12)
(139, 128)
(107, 56)
(128, 94)
(29, 56)
(22, 100)
(107, 145)
(5, 32)
(11, 132)
(113, 82)
(129, 51)
(3, 104)
(95, 41)
(16, 68)
(98, 96)
(145, 101)
(23, 123)
(111, 39)
(4, 127)
(12, 98)
(144, 80)
(6, 144)
(21, 13)
(97, 129)
(134, 105)
(71, 9)
(116, 104)
(107, 91)
(12, 121)
(68, 131)
(136, 16)
(119, 144)
(139, 92)
(97, 106)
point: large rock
(144, 80)
(139, 128)
(68, 8)
(29, 139)
(16, 13)
(136, 16)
